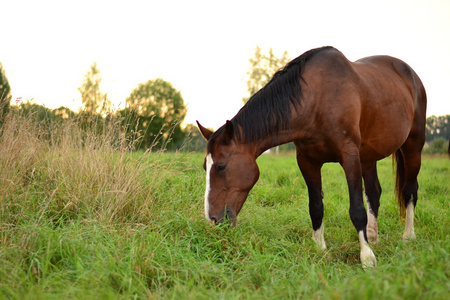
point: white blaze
(209, 163)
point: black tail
(399, 167)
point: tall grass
(82, 217)
(73, 173)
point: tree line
(437, 135)
(155, 110)
(152, 117)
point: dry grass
(74, 172)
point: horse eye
(221, 168)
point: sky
(203, 47)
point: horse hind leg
(409, 233)
(372, 190)
(409, 194)
(408, 162)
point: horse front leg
(312, 176)
(352, 168)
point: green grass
(99, 222)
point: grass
(83, 219)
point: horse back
(375, 102)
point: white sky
(203, 47)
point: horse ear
(229, 132)
(204, 131)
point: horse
(333, 110)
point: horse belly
(385, 134)
(374, 151)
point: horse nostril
(213, 220)
(229, 214)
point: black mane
(268, 111)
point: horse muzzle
(227, 216)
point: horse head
(231, 172)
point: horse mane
(268, 111)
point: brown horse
(334, 110)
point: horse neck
(271, 136)
(268, 142)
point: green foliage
(262, 69)
(157, 98)
(45, 119)
(125, 122)
(156, 109)
(5, 94)
(438, 127)
(94, 101)
(195, 141)
(437, 146)
(41, 113)
(83, 218)
(437, 135)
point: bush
(436, 146)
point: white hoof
(409, 223)
(318, 237)
(368, 259)
(409, 236)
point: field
(82, 219)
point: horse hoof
(368, 259)
(320, 244)
(319, 239)
(409, 236)
(369, 263)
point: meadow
(82, 217)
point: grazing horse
(334, 110)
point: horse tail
(398, 164)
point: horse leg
(372, 190)
(412, 162)
(353, 173)
(311, 174)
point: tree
(436, 146)
(94, 101)
(158, 109)
(262, 69)
(5, 93)
(195, 142)
(63, 112)
(438, 127)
